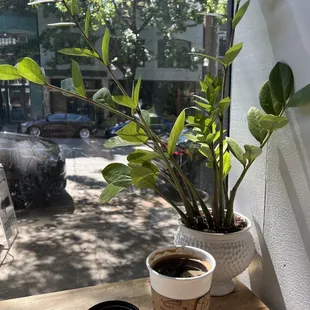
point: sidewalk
(77, 242)
(10, 127)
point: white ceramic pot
(232, 252)
(180, 293)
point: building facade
(167, 84)
(19, 38)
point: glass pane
(56, 149)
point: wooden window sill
(136, 292)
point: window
(73, 117)
(174, 54)
(7, 40)
(68, 239)
(56, 117)
(222, 44)
(22, 39)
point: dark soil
(202, 225)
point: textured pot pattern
(232, 252)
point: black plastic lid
(114, 305)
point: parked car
(159, 126)
(60, 124)
(34, 167)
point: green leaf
(237, 18)
(79, 52)
(110, 192)
(266, 100)
(117, 173)
(255, 126)
(213, 116)
(203, 86)
(201, 98)
(209, 79)
(300, 98)
(224, 104)
(236, 150)
(251, 152)
(191, 137)
(136, 92)
(78, 79)
(9, 73)
(232, 53)
(226, 164)
(143, 177)
(281, 82)
(74, 7)
(272, 122)
(119, 142)
(131, 133)
(87, 22)
(209, 164)
(103, 95)
(105, 47)
(30, 71)
(214, 95)
(209, 57)
(119, 177)
(175, 132)
(67, 84)
(151, 166)
(210, 138)
(146, 116)
(207, 107)
(218, 81)
(218, 134)
(140, 156)
(206, 151)
(125, 101)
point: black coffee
(179, 267)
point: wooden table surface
(136, 292)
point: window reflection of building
(179, 57)
(15, 101)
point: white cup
(177, 293)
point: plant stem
(181, 213)
(157, 142)
(186, 202)
(92, 46)
(220, 176)
(230, 208)
(192, 189)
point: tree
(15, 5)
(127, 20)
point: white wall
(276, 192)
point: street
(72, 241)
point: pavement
(72, 241)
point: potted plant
(219, 229)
